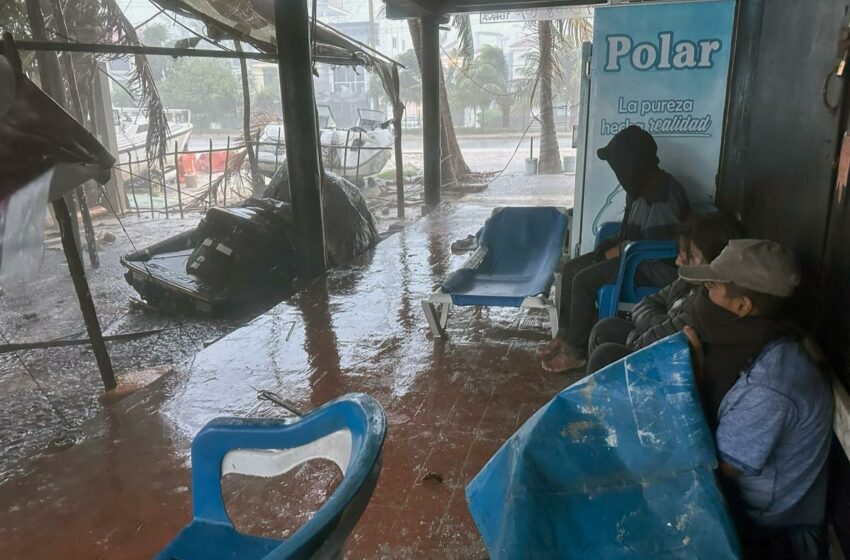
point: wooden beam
(431, 110)
(406, 9)
(78, 275)
(301, 129)
(55, 46)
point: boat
(235, 258)
(131, 133)
(354, 153)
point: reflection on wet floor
(124, 491)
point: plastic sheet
(22, 222)
(619, 465)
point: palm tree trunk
(453, 164)
(256, 183)
(550, 155)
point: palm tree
(453, 165)
(544, 74)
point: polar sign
(663, 67)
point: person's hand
(613, 252)
(697, 353)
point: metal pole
(345, 153)
(78, 274)
(276, 150)
(132, 190)
(164, 186)
(226, 163)
(99, 48)
(301, 128)
(398, 111)
(431, 109)
(209, 161)
(150, 187)
(359, 151)
(177, 175)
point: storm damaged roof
(36, 134)
(253, 22)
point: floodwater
(123, 490)
(46, 308)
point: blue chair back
(606, 231)
(348, 431)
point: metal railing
(172, 184)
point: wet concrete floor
(124, 491)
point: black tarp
(36, 134)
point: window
(346, 80)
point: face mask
(711, 321)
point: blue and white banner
(664, 68)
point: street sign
(532, 14)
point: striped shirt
(656, 214)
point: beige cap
(760, 265)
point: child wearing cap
(701, 238)
(766, 395)
(655, 205)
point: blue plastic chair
(520, 250)
(625, 292)
(606, 231)
(349, 431)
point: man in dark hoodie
(655, 205)
(767, 398)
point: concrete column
(105, 128)
(292, 26)
(431, 109)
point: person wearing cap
(701, 238)
(767, 396)
(655, 205)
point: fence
(189, 180)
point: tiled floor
(124, 491)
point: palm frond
(122, 32)
(465, 43)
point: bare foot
(548, 350)
(562, 363)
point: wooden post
(78, 274)
(177, 175)
(431, 110)
(301, 130)
(51, 83)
